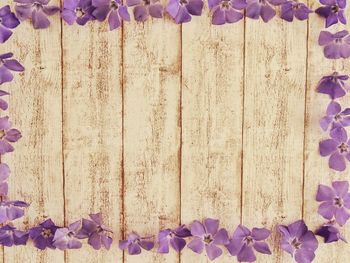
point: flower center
(338, 117)
(335, 8)
(338, 202)
(46, 233)
(114, 5)
(343, 148)
(2, 134)
(183, 2)
(79, 12)
(208, 239)
(147, 2)
(296, 243)
(225, 4)
(37, 5)
(248, 240)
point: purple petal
(262, 247)
(324, 193)
(246, 254)
(327, 147)
(197, 229)
(213, 251)
(260, 233)
(337, 162)
(196, 245)
(341, 188)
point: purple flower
(330, 233)
(113, 9)
(10, 236)
(208, 236)
(77, 11)
(8, 21)
(37, 11)
(334, 85)
(7, 135)
(298, 241)
(67, 238)
(336, 45)
(181, 10)
(134, 243)
(173, 237)
(145, 8)
(7, 65)
(3, 103)
(335, 117)
(11, 210)
(262, 8)
(96, 232)
(335, 201)
(293, 8)
(42, 235)
(337, 148)
(4, 174)
(244, 242)
(333, 11)
(225, 11)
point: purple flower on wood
(37, 11)
(298, 241)
(10, 236)
(181, 10)
(3, 103)
(262, 8)
(77, 11)
(96, 232)
(113, 9)
(335, 201)
(333, 11)
(42, 235)
(244, 242)
(134, 243)
(8, 21)
(7, 64)
(11, 210)
(174, 238)
(336, 45)
(333, 85)
(335, 117)
(337, 148)
(8, 135)
(293, 8)
(208, 236)
(4, 174)
(67, 238)
(330, 233)
(145, 8)
(225, 11)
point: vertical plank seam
(242, 125)
(180, 149)
(305, 115)
(122, 186)
(62, 129)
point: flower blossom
(37, 11)
(335, 201)
(181, 10)
(145, 8)
(336, 45)
(244, 242)
(8, 135)
(226, 11)
(134, 243)
(294, 8)
(337, 147)
(333, 85)
(330, 233)
(298, 241)
(11, 210)
(7, 64)
(262, 8)
(113, 9)
(77, 11)
(42, 235)
(8, 21)
(10, 236)
(173, 237)
(67, 237)
(208, 236)
(335, 117)
(333, 11)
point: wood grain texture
(152, 73)
(92, 130)
(35, 108)
(316, 167)
(212, 100)
(273, 133)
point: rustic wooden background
(157, 124)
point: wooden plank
(316, 167)
(92, 130)
(152, 68)
(273, 126)
(212, 100)
(35, 108)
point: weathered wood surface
(158, 124)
